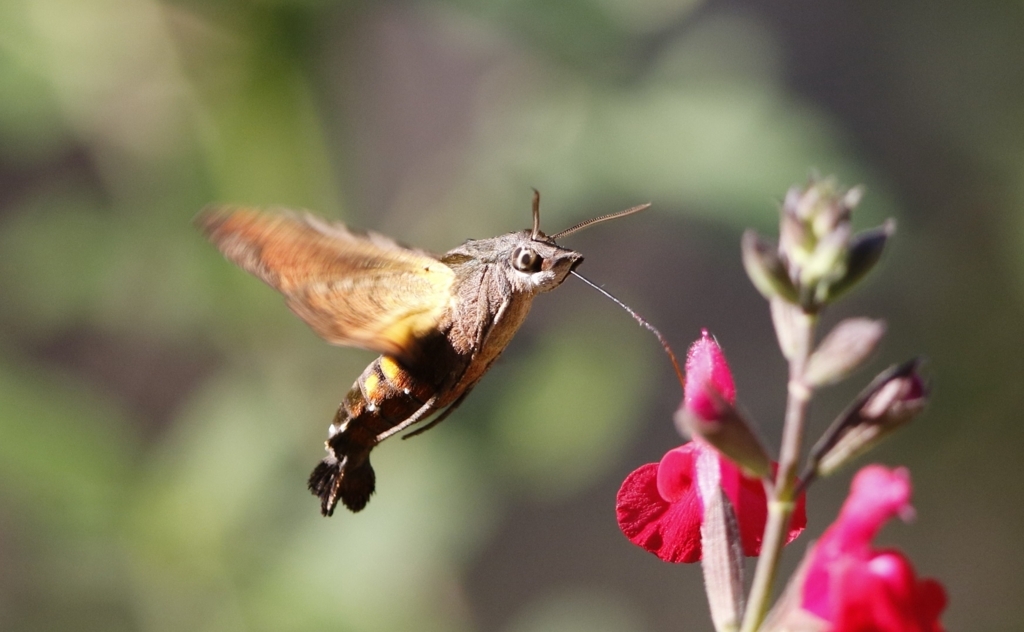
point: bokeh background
(160, 409)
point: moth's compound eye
(526, 260)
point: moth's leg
(481, 338)
(444, 415)
(424, 411)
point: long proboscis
(640, 319)
(597, 220)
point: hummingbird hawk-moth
(439, 322)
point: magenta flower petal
(659, 507)
(676, 471)
(669, 529)
(884, 595)
(876, 495)
(707, 375)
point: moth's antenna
(637, 317)
(536, 215)
(591, 222)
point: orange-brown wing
(362, 290)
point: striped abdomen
(382, 398)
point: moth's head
(538, 264)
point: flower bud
(708, 410)
(891, 400)
(833, 215)
(848, 345)
(853, 197)
(865, 249)
(789, 321)
(898, 399)
(807, 203)
(796, 241)
(827, 262)
(817, 247)
(766, 270)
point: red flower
(659, 507)
(859, 589)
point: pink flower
(660, 510)
(859, 589)
(710, 390)
(708, 412)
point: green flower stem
(782, 495)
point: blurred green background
(160, 409)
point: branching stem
(782, 495)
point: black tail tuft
(332, 480)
